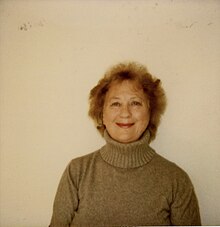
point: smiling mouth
(125, 126)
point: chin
(126, 140)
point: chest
(111, 196)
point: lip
(125, 125)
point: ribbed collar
(129, 155)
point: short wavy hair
(139, 74)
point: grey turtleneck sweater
(124, 185)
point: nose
(125, 112)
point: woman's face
(126, 112)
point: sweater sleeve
(184, 208)
(66, 200)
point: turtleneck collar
(129, 155)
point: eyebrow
(114, 97)
(134, 97)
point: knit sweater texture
(124, 185)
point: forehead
(126, 87)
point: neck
(130, 155)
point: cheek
(108, 116)
(141, 115)
(143, 118)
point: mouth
(125, 125)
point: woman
(125, 183)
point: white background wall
(53, 52)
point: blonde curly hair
(139, 74)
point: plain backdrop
(53, 52)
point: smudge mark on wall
(28, 25)
(25, 26)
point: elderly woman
(125, 183)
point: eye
(115, 104)
(136, 103)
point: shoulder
(77, 167)
(83, 161)
(172, 179)
(170, 171)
